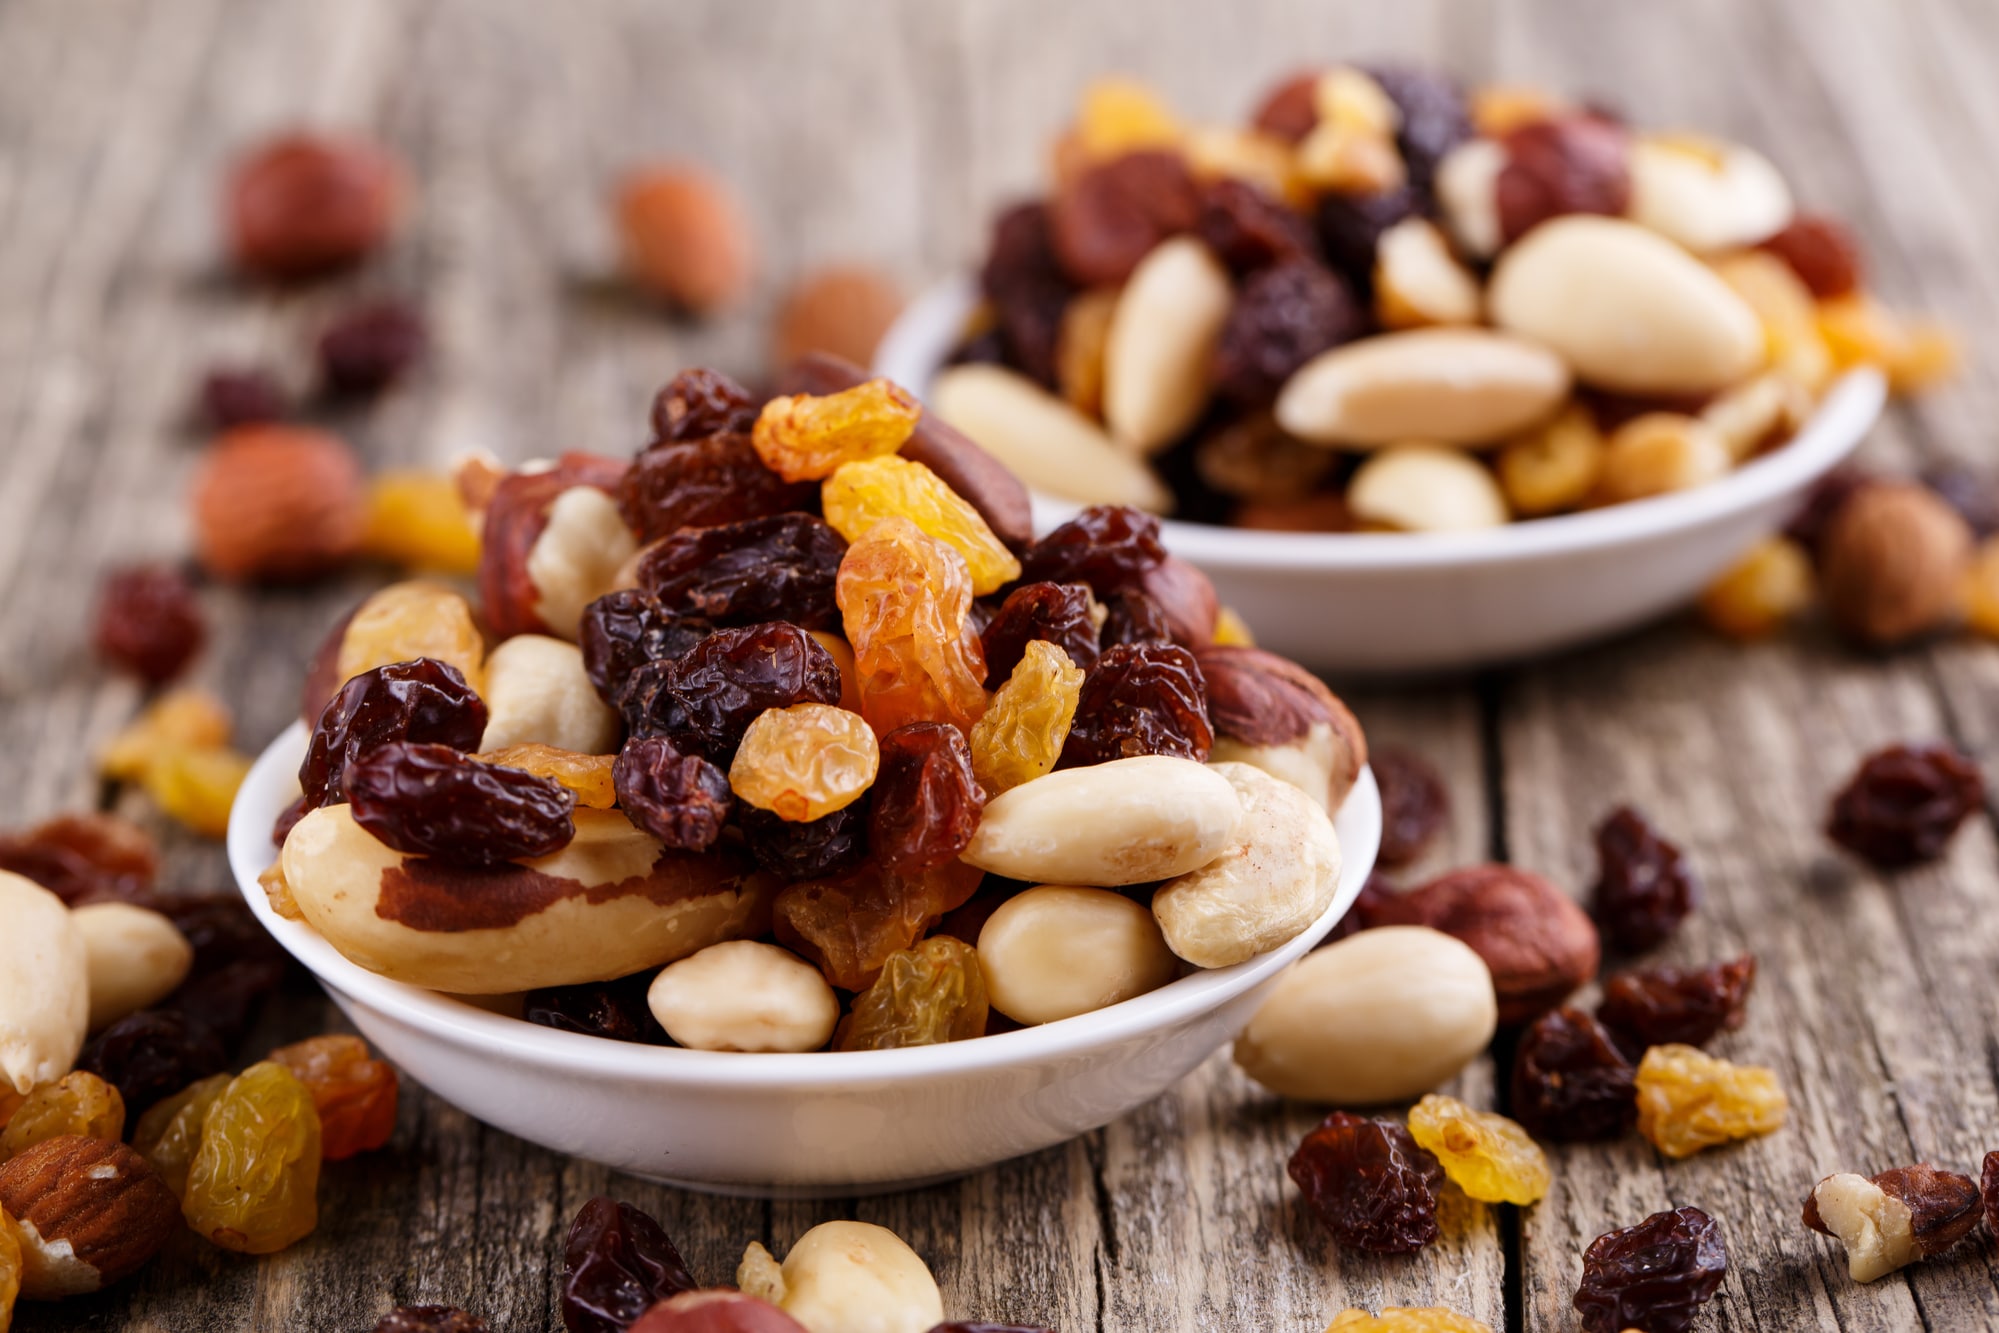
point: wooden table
(886, 131)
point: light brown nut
(577, 557)
(87, 1212)
(1425, 488)
(1048, 444)
(854, 1277)
(135, 955)
(1553, 467)
(1895, 1218)
(1161, 339)
(277, 502)
(684, 237)
(1468, 192)
(1657, 454)
(843, 310)
(1706, 195)
(1418, 281)
(537, 692)
(716, 1311)
(1079, 349)
(1758, 413)
(1451, 386)
(1272, 714)
(611, 903)
(44, 985)
(743, 995)
(1107, 825)
(402, 621)
(1893, 564)
(1054, 952)
(1277, 880)
(1627, 309)
(1381, 1016)
(1186, 597)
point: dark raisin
(681, 799)
(1822, 252)
(699, 483)
(1988, 1190)
(623, 630)
(1902, 805)
(371, 347)
(1350, 228)
(780, 567)
(237, 965)
(422, 700)
(1057, 612)
(1415, 805)
(1644, 887)
(617, 1262)
(1973, 493)
(1252, 458)
(698, 403)
(1435, 118)
(1822, 502)
(1655, 1276)
(1109, 216)
(1366, 907)
(926, 803)
(1132, 616)
(613, 1009)
(1576, 164)
(287, 820)
(1290, 111)
(1283, 316)
(148, 621)
(85, 858)
(432, 800)
(430, 1319)
(1370, 1183)
(829, 845)
(1690, 1005)
(705, 699)
(232, 398)
(1140, 699)
(1027, 290)
(1106, 546)
(151, 1055)
(1571, 1080)
(1249, 230)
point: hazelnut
(1187, 598)
(277, 502)
(1539, 943)
(87, 1212)
(1272, 713)
(1892, 564)
(305, 204)
(718, 1311)
(843, 310)
(1895, 1218)
(684, 236)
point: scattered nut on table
(850, 1277)
(1893, 1219)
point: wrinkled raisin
(830, 845)
(1135, 617)
(1972, 492)
(430, 1319)
(1487, 1156)
(1644, 887)
(423, 701)
(806, 437)
(1988, 1189)
(354, 1093)
(1821, 251)
(1022, 735)
(1252, 458)
(148, 622)
(850, 925)
(1555, 167)
(1902, 805)
(1106, 546)
(1688, 1100)
(697, 483)
(78, 1103)
(1138, 700)
(1654, 1276)
(780, 567)
(905, 602)
(705, 699)
(1370, 1183)
(1108, 217)
(1248, 230)
(623, 630)
(1351, 226)
(932, 993)
(613, 1009)
(151, 1055)
(698, 403)
(804, 762)
(1027, 290)
(861, 494)
(926, 801)
(370, 347)
(432, 800)
(169, 1134)
(1057, 612)
(1435, 117)
(616, 1262)
(1415, 805)
(1571, 1082)
(1283, 316)
(232, 398)
(253, 1184)
(1688, 1005)
(681, 799)
(85, 858)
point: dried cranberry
(1414, 804)
(231, 398)
(617, 1262)
(1283, 316)
(1571, 1081)
(1655, 1276)
(422, 700)
(1689, 1005)
(1106, 546)
(1644, 887)
(1140, 699)
(85, 858)
(781, 567)
(1132, 616)
(1974, 494)
(432, 800)
(370, 347)
(430, 1319)
(623, 630)
(1370, 1183)
(1902, 805)
(1576, 164)
(681, 799)
(1822, 252)
(926, 803)
(1249, 230)
(1824, 500)
(1109, 216)
(701, 482)
(1350, 228)
(1027, 290)
(148, 621)
(815, 849)
(613, 1009)
(698, 403)
(705, 699)
(1057, 612)
(1290, 111)
(1435, 117)
(150, 1055)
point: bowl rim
(914, 348)
(271, 784)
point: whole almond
(685, 238)
(279, 503)
(88, 1213)
(843, 310)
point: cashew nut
(576, 558)
(743, 995)
(537, 692)
(854, 1277)
(136, 958)
(44, 985)
(1055, 952)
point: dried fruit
(1106, 546)
(932, 993)
(699, 402)
(1554, 467)
(616, 1263)
(169, 1134)
(84, 858)
(78, 1103)
(906, 600)
(1821, 251)
(148, 622)
(780, 567)
(423, 701)
(1059, 613)
(1903, 804)
(1434, 116)
(368, 348)
(1027, 290)
(1248, 230)
(1761, 591)
(1688, 1100)
(80, 1214)
(1690, 1006)
(1654, 1276)
(1539, 944)
(1107, 218)
(1988, 1189)
(705, 699)
(306, 203)
(681, 799)
(1139, 700)
(432, 800)
(613, 1009)
(806, 437)
(830, 845)
(354, 1093)
(417, 520)
(429, 1319)
(851, 924)
(1255, 459)
(1571, 1082)
(684, 237)
(1370, 1183)
(927, 800)
(236, 964)
(622, 631)
(1487, 1156)
(701, 481)
(180, 719)
(1023, 732)
(1892, 564)
(1406, 1319)
(1644, 887)
(150, 1055)
(1571, 164)
(10, 1269)
(1415, 805)
(861, 494)
(277, 502)
(197, 788)
(231, 398)
(1283, 316)
(804, 762)
(1895, 1218)
(590, 776)
(1351, 226)
(843, 310)
(253, 1184)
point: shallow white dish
(816, 1124)
(1379, 602)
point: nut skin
(719, 1311)
(1262, 704)
(1538, 942)
(277, 503)
(1905, 1214)
(840, 310)
(306, 204)
(1892, 564)
(101, 1200)
(1187, 597)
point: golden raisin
(197, 788)
(354, 1093)
(418, 521)
(843, 658)
(905, 602)
(1118, 115)
(178, 719)
(1689, 1100)
(805, 438)
(10, 1270)
(1022, 734)
(1406, 1319)
(77, 1103)
(1490, 1158)
(932, 993)
(1658, 453)
(588, 775)
(1861, 332)
(254, 1182)
(1554, 467)
(1231, 631)
(1787, 312)
(1760, 591)
(1079, 349)
(859, 495)
(804, 762)
(170, 1131)
(1982, 596)
(405, 621)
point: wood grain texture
(885, 131)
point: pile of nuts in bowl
(792, 705)
(1390, 305)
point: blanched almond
(1162, 336)
(1048, 444)
(1453, 386)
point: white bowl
(815, 1124)
(1379, 602)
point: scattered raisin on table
(681, 799)
(1687, 1005)
(1902, 805)
(432, 800)
(170, 1133)
(623, 630)
(700, 402)
(1405, 1319)
(1106, 546)
(153, 1054)
(354, 1093)
(699, 482)
(1140, 700)
(1653, 1276)
(253, 1184)
(931, 993)
(237, 965)
(1571, 1081)
(780, 567)
(830, 845)
(231, 398)
(1689, 1100)
(927, 802)
(1108, 217)
(1487, 1156)
(705, 699)
(617, 1262)
(423, 700)
(148, 621)
(613, 1009)
(301, 205)
(1248, 230)
(84, 858)
(370, 347)
(1282, 317)
(1644, 887)
(430, 1319)
(1057, 612)
(1415, 804)
(1370, 1183)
